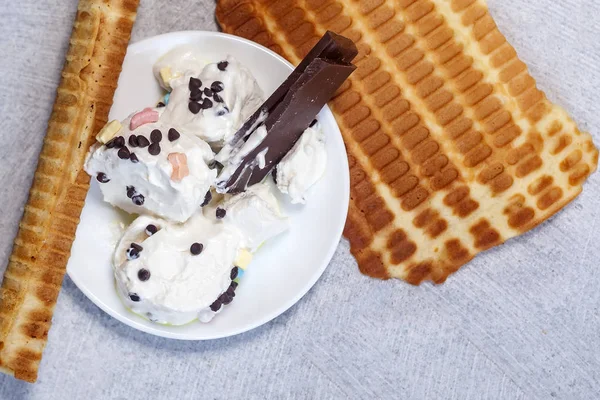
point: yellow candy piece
(243, 259)
(166, 75)
(109, 131)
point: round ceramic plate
(283, 269)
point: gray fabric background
(519, 322)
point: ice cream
(255, 213)
(213, 102)
(173, 273)
(152, 169)
(181, 259)
(303, 166)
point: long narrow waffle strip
(452, 148)
(37, 265)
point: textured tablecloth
(519, 322)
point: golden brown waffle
(452, 148)
(37, 265)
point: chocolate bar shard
(271, 132)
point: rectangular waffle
(452, 148)
(37, 264)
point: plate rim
(284, 307)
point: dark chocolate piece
(151, 229)
(330, 47)
(194, 83)
(207, 199)
(155, 136)
(291, 109)
(133, 141)
(102, 178)
(143, 274)
(123, 153)
(173, 135)
(217, 86)
(142, 141)
(154, 149)
(194, 107)
(196, 248)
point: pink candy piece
(180, 166)
(146, 116)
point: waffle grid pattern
(452, 147)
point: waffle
(41, 249)
(452, 148)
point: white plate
(284, 269)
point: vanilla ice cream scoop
(147, 166)
(211, 103)
(176, 273)
(255, 213)
(303, 166)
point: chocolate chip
(133, 141)
(217, 98)
(133, 252)
(194, 83)
(138, 199)
(208, 92)
(111, 143)
(173, 135)
(134, 158)
(155, 136)
(196, 94)
(196, 248)
(194, 107)
(160, 104)
(143, 274)
(223, 298)
(222, 65)
(215, 306)
(234, 273)
(119, 142)
(221, 213)
(134, 297)
(228, 299)
(217, 86)
(130, 191)
(136, 246)
(314, 121)
(154, 149)
(151, 230)
(230, 292)
(234, 285)
(206, 104)
(102, 178)
(142, 141)
(221, 112)
(274, 174)
(207, 199)
(123, 153)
